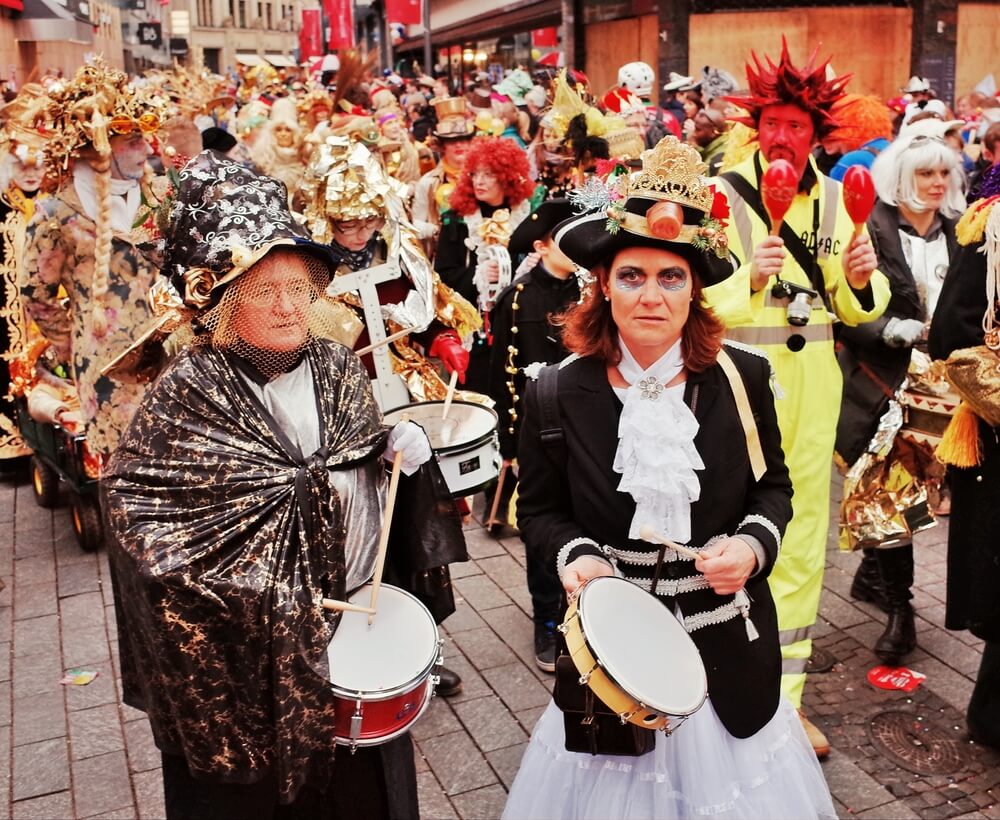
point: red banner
(311, 35)
(340, 17)
(545, 37)
(407, 12)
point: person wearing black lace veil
(248, 487)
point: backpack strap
(550, 428)
(754, 448)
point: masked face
(27, 177)
(129, 153)
(786, 132)
(274, 303)
(284, 136)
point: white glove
(902, 332)
(528, 263)
(410, 440)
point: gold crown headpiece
(673, 171)
(344, 182)
(24, 124)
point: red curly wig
(502, 157)
(783, 84)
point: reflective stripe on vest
(793, 666)
(787, 637)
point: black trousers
(375, 783)
(984, 706)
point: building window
(241, 21)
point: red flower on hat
(607, 167)
(720, 207)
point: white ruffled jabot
(656, 456)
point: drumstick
(647, 533)
(383, 539)
(343, 606)
(496, 496)
(450, 394)
(399, 334)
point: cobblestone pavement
(75, 751)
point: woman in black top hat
(653, 436)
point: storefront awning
(248, 59)
(46, 21)
(280, 61)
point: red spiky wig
(783, 84)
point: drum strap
(754, 448)
(551, 432)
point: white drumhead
(395, 650)
(465, 422)
(642, 646)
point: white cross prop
(386, 383)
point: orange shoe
(821, 746)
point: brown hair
(589, 330)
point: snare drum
(634, 654)
(381, 674)
(925, 417)
(465, 443)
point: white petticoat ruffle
(701, 771)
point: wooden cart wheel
(87, 524)
(45, 482)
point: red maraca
(777, 188)
(859, 195)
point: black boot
(450, 683)
(867, 585)
(900, 637)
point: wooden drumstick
(383, 540)
(647, 533)
(343, 606)
(450, 394)
(399, 334)
(496, 496)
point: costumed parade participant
(494, 194)
(816, 252)
(919, 184)
(863, 131)
(353, 207)
(22, 169)
(526, 337)
(278, 152)
(80, 239)
(249, 487)
(966, 308)
(652, 392)
(453, 135)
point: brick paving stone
(522, 597)
(896, 810)
(94, 732)
(143, 756)
(839, 612)
(517, 686)
(948, 649)
(124, 813)
(529, 717)
(460, 569)
(482, 647)
(481, 592)
(5, 769)
(464, 617)
(457, 763)
(473, 684)
(419, 761)
(953, 687)
(85, 645)
(6, 558)
(7, 592)
(36, 635)
(40, 768)
(59, 804)
(34, 600)
(439, 719)
(843, 777)
(77, 578)
(86, 609)
(503, 570)
(489, 723)
(482, 545)
(100, 691)
(36, 569)
(506, 762)
(5, 689)
(434, 805)
(481, 803)
(34, 674)
(40, 717)
(101, 784)
(149, 795)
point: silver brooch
(650, 388)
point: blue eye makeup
(669, 279)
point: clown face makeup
(128, 156)
(786, 132)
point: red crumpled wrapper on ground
(899, 678)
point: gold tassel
(960, 443)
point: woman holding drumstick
(656, 442)
(249, 488)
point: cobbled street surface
(76, 751)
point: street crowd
(294, 322)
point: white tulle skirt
(699, 771)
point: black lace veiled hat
(226, 218)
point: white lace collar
(656, 456)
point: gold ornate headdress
(673, 171)
(24, 132)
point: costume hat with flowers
(24, 132)
(668, 204)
